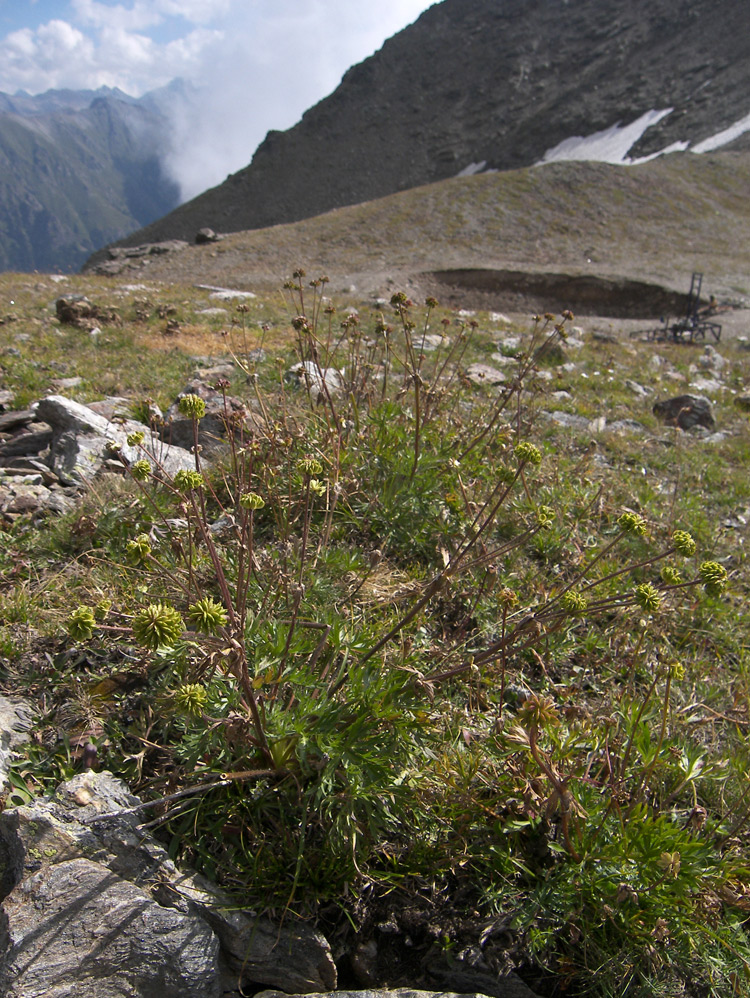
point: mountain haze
(491, 85)
(78, 169)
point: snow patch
(472, 168)
(611, 145)
(722, 138)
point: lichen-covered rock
(79, 929)
(685, 411)
(93, 820)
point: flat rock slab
(181, 921)
(79, 929)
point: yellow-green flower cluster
(647, 597)
(81, 622)
(138, 551)
(140, 470)
(135, 439)
(192, 406)
(676, 671)
(310, 466)
(251, 500)
(528, 454)
(157, 626)
(187, 481)
(545, 517)
(574, 603)
(714, 577)
(207, 616)
(632, 523)
(683, 543)
(670, 575)
(191, 699)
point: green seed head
(134, 439)
(676, 670)
(683, 543)
(574, 604)
(80, 624)
(318, 487)
(545, 517)
(192, 406)
(528, 454)
(647, 597)
(140, 470)
(137, 552)
(207, 616)
(631, 523)
(191, 699)
(310, 466)
(157, 626)
(507, 598)
(187, 481)
(671, 575)
(251, 500)
(714, 577)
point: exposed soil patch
(517, 290)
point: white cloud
(258, 63)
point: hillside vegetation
(656, 222)
(456, 661)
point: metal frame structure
(694, 326)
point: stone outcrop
(93, 906)
(686, 412)
(50, 451)
(121, 258)
(15, 720)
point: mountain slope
(652, 223)
(493, 84)
(77, 169)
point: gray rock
(568, 419)
(626, 426)
(206, 235)
(78, 928)
(685, 411)
(503, 987)
(318, 381)
(711, 359)
(706, 385)
(177, 429)
(83, 440)
(15, 720)
(637, 389)
(94, 818)
(484, 374)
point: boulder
(78, 928)
(484, 374)
(685, 411)
(318, 381)
(83, 440)
(177, 430)
(206, 235)
(93, 906)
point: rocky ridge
(478, 85)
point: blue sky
(258, 64)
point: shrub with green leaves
(390, 609)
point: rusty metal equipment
(695, 326)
